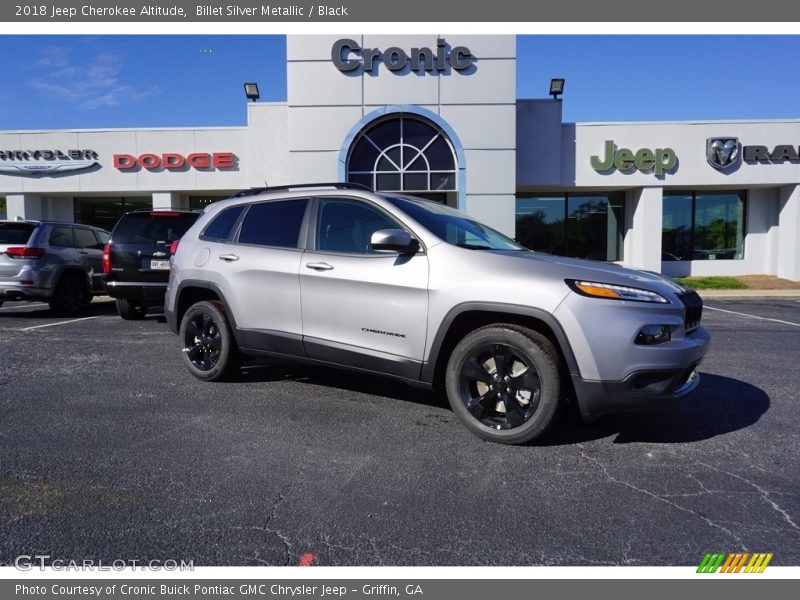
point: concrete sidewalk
(749, 294)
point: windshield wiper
(474, 246)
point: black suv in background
(136, 259)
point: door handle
(228, 257)
(83, 252)
(319, 266)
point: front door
(362, 307)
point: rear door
(257, 273)
(140, 244)
(90, 255)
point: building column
(166, 200)
(643, 236)
(24, 206)
(789, 233)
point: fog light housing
(653, 334)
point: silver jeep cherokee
(339, 275)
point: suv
(136, 259)
(400, 286)
(59, 263)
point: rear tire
(70, 296)
(130, 310)
(209, 348)
(503, 383)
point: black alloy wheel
(209, 347)
(503, 382)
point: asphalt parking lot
(109, 450)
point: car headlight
(611, 291)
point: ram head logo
(723, 153)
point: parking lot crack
(764, 494)
(659, 498)
(282, 495)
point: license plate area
(158, 264)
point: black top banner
(405, 11)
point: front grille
(694, 309)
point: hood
(596, 271)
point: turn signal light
(24, 252)
(107, 259)
(173, 247)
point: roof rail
(285, 188)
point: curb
(749, 294)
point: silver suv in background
(396, 285)
(58, 263)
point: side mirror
(394, 240)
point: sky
(70, 82)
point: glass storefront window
(703, 226)
(200, 202)
(3, 209)
(577, 225)
(104, 211)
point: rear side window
(222, 225)
(274, 223)
(152, 227)
(84, 238)
(61, 236)
(15, 233)
(102, 236)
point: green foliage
(712, 283)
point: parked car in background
(340, 275)
(54, 262)
(136, 260)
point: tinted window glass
(15, 233)
(84, 238)
(148, 228)
(102, 236)
(348, 225)
(220, 228)
(273, 223)
(61, 236)
(452, 226)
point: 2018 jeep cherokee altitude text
(339, 275)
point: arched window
(403, 153)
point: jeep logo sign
(659, 161)
(347, 56)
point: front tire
(209, 348)
(130, 310)
(503, 383)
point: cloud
(92, 85)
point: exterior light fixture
(556, 88)
(251, 91)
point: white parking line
(23, 306)
(733, 312)
(59, 323)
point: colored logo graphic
(734, 562)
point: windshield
(152, 227)
(15, 233)
(452, 226)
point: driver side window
(346, 226)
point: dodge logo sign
(723, 153)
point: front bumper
(646, 388)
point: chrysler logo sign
(348, 56)
(45, 162)
(723, 153)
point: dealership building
(438, 116)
